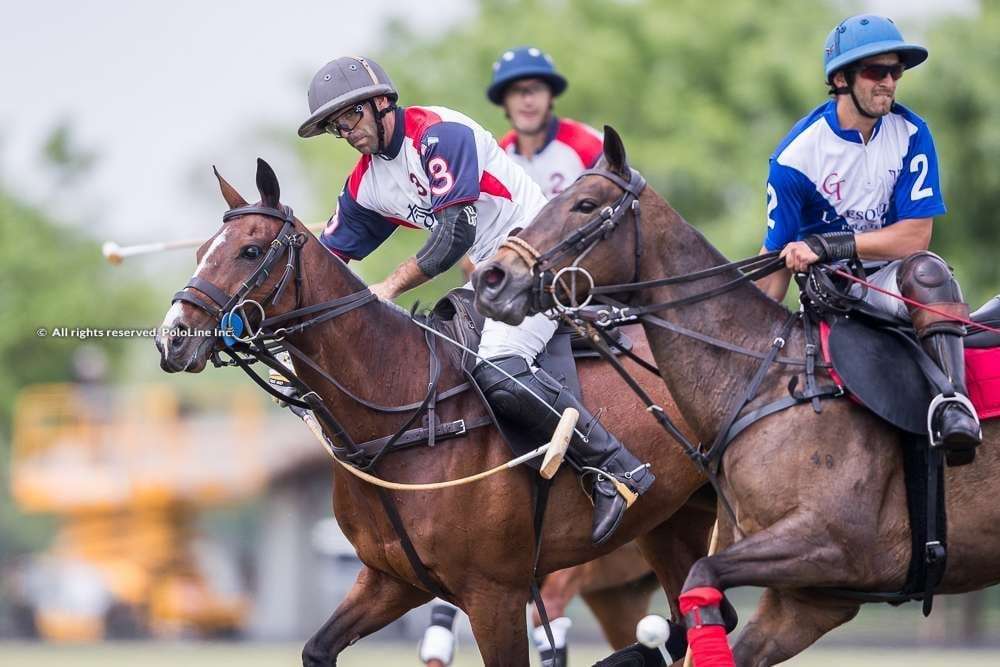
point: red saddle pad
(982, 375)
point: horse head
(580, 238)
(247, 266)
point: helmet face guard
(340, 84)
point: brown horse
(841, 522)
(475, 540)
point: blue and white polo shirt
(826, 179)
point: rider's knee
(927, 279)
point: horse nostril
(494, 276)
(178, 337)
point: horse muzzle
(502, 294)
(181, 347)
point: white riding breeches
(885, 278)
(526, 340)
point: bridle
(593, 326)
(581, 241)
(228, 310)
(260, 344)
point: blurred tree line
(52, 275)
(702, 97)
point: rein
(583, 240)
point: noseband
(581, 241)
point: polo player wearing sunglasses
(858, 177)
(436, 170)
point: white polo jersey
(570, 148)
(436, 158)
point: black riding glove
(833, 246)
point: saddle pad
(982, 371)
(982, 375)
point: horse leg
(674, 546)
(375, 600)
(786, 622)
(783, 555)
(496, 613)
(557, 590)
(619, 609)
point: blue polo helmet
(524, 62)
(865, 35)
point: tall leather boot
(619, 477)
(956, 424)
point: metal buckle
(462, 430)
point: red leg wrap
(709, 647)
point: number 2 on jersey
(919, 166)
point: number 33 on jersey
(436, 158)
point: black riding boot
(955, 424)
(601, 455)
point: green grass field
(196, 654)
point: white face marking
(170, 319)
(212, 249)
(174, 314)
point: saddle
(883, 367)
(456, 316)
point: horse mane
(673, 217)
(332, 262)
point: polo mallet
(115, 253)
(653, 631)
(553, 450)
(559, 443)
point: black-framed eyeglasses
(346, 121)
(877, 72)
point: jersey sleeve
(786, 198)
(917, 193)
(451, 161)
(354, 231)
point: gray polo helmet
(341, 83)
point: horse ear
(267, 185)
(614, 152)
(229, 193)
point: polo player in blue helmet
(858, 177)
(552, 150)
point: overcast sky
(158, 89)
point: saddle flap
(881, 372)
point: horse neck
(375, 351)
(704, 380)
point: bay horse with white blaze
(819, 497)
(475, 540)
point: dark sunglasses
(878, 72)
(346, 121)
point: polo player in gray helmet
(434, 169)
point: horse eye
(250, 252)
(585, 206)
